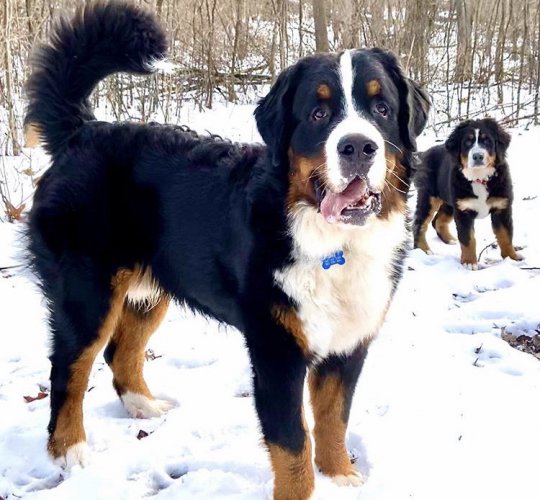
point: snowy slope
(444, 409)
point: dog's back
(433, 173)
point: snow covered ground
(445, 409)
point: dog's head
(479, 146)
(343, 124)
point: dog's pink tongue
(333, 203)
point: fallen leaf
(142, 434)
(40, 395)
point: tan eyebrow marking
(323, 91)
(373, 88)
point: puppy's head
(343, 124)
(479, 146)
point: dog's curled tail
(102, 38)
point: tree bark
(321, 31)
(464, 29)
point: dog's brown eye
(318, 114)
(382, 109)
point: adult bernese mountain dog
(297, 243)
(466, 178)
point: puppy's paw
(77, 454)
(352, 479)
(471, 266)
(516, 256)
(140, 406)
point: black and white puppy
(298, 243)
(467, 178)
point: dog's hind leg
(125, 354)
(441, 223)
(331, 386)
(84, 313)
(426, 207)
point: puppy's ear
(274, 115)
(502, 137)
(414, 103)
(453, 143)
(421, 104)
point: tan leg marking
(422, 242)
(468, 253)
(288, 318)
(496, 202)
(328, 402)
(134, 329)
(293, 473)
(69, 429)
(442, 223)
(505, 244)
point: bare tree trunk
(499, 54)
(321, 31)
(524, 40)
(211, 16)
(537, 93)
(464, 28)
(283, 38)
(272, 58)
(12, 120)
(29, 9)
(300, 28)
(237, 34)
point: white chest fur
(478, 204)
(343, 305)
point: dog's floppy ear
(501, 136)
(421, 104)
(453, 143)
(414, 103)
(274, 116)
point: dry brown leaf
(40, 395)
(142, 434)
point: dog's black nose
(357, 147)
(478, 157)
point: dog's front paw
(516, 256)
(77, 454)
(354, 478)
(471, 266)
(140, 406)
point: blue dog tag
(331, 260)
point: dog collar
(482, 181)
(331, 260)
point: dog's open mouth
(353, 205)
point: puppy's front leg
(465, 229)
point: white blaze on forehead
(352, 123)
(346, 73)
(476, 148)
